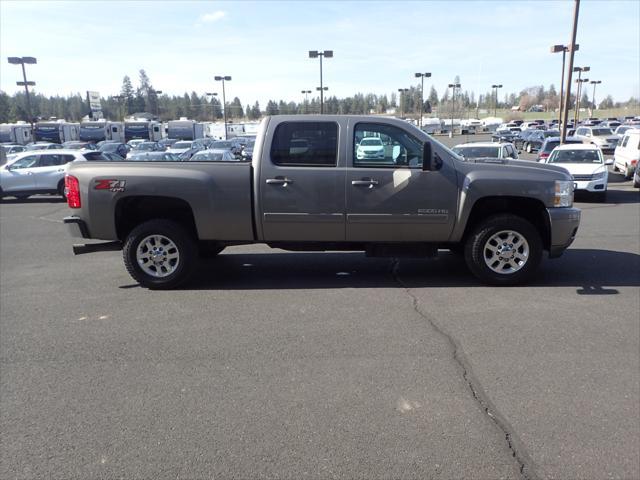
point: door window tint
(305, 144)
(26, 162)
(377, 145)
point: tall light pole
(572, 50)
(564, 49)
(306, 99)
(213, 105)
(579, 82)
(421, 77)
(453, 87)
(402, 92)
(22, 61)
(318, 54)
(578, 91)
(495, 104)
(593, 97)
(225, 78)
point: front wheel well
(530, 209)
(132, 211)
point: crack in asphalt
(514, 444)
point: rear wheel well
(530, 209)
(132, 211)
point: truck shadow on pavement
(592, 271)
(613, 196)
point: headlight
(599, 175)
(564, 194)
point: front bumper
(564, 223)
(599, 185)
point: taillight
(72, 189)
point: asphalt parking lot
(295, 365)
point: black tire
(61, 190)
(636, 184)
(484, 231)
(185, 246)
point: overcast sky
(378, 46)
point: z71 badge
(111, 185)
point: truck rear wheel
(503, 250)
(160, 254)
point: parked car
(132, 143)
(612, 124)
(520, 139)
(151, 156)
(536, 139)
(370, 148)
(166, 143)
(552, 142)
(11, 148)
(504, 135)
(586, 165)
(603, 138)
(486, 150)
(114, 147)
(145, 147)
(39, 172)
(636, 176)
(43, 146)
(214, 155)
(232, 145)
(113, 157)
(627, 154)
(247, 151)
(620, 130)
(183, 146)
(76, 145)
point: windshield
(109, 147)
(182, 145)
(223, 145)
(375, 142)
(575, 156)
(478, 152)
(601, 132)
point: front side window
(50, 160)
(379, 145)
(305, 144)
(625, 141)
(26, 162)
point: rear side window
(95, 157)
(305, 144)
(47, 160)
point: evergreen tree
(127, 92)
(272, 108)
(433, 96)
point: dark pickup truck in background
(319, 183)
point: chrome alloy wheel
(157, 256)
(506, 252)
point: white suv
(41, 171)
(627, 154)
(586, 165)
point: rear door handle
(364, 183)
(279, 181)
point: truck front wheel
(160, 254)
(503, 250)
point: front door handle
(364, 183)
(279, 181)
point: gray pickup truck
(320, 183)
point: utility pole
(565, 114)
(593, 97)
(306, 99)
(223, 78)
(317, 54)
(453, 87)
(495, 104)
(421, 76)
(21, 61)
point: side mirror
(608, 161)
(430, 161)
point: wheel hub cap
(158, 256)
(506, 252)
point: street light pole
(402, 91)
(579, 92)
(316, 54)
(213, 105)
(453, 87)
(593, 97)
(421, 76)
(495, 104)
(224, 78)
(564, 49)
(306, 100)
(21, 61)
